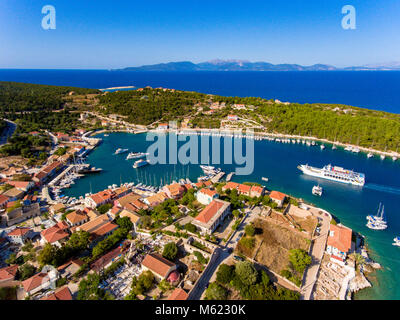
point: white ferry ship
(334, 173)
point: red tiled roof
(19, 184)
(34, 281)
(178, 294)
(3, 199)
(19, 232)
(106, 228)
(257, 189)
(60, 294)
(210, 211)
(208, 192)
(108, 257)
(157, 263)
(231, 185)
(56, 232)
(341, 238)
(207, 183)
(244, 188)
(277, 195)
(8, 273)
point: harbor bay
(278, 162)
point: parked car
(238, 258)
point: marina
(278, 162)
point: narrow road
(317, 252)
(8, 131)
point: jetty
(217, 177)
(229, 176)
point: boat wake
(382, 188)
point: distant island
(243, 65)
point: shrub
(225, 273)
(249, 230)
(170, 251)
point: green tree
(300, 259)
(216, 292)
(225, 273)
(246, 272)
(170, 251)
(26, 271)
(47, 254)
(249, 230)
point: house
(339, 242)
(232, 117)
(211, 216)
(8, 273)
(174, 191)
(68, 269)
(230, 186)
(100, 198)
(156, 199)
(178, 294)
(14, 194)
(19, 235)
(257, 191)
(107, 259)
(21, 185)
(129, 198)
(62, 293)
(205, 196)
(55, 235)
(278, 198)
(3, 200)
(135, 218)
(21, 214)
(55, 208)
(163, 126)
(91, 213)
(76, 218)
(40, 281)
(158, 265)
(98, 227)
(47, 172)
(244, 189)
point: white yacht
(369, 155)
(322, 147)
(396, 241)
(317, 190)
(377, 222)
(119, 150)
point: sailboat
(378, 221)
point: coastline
(355, 281)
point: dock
(217, 177)
(229, 176)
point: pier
(217, 177)
(229, 176)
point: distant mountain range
(243, 65)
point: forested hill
(367, 128)
(346, 124)
(17, 97)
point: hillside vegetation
(38, 107)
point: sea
(276, 161)
(376, 90)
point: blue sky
(112, 34)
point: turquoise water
(279, 163)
